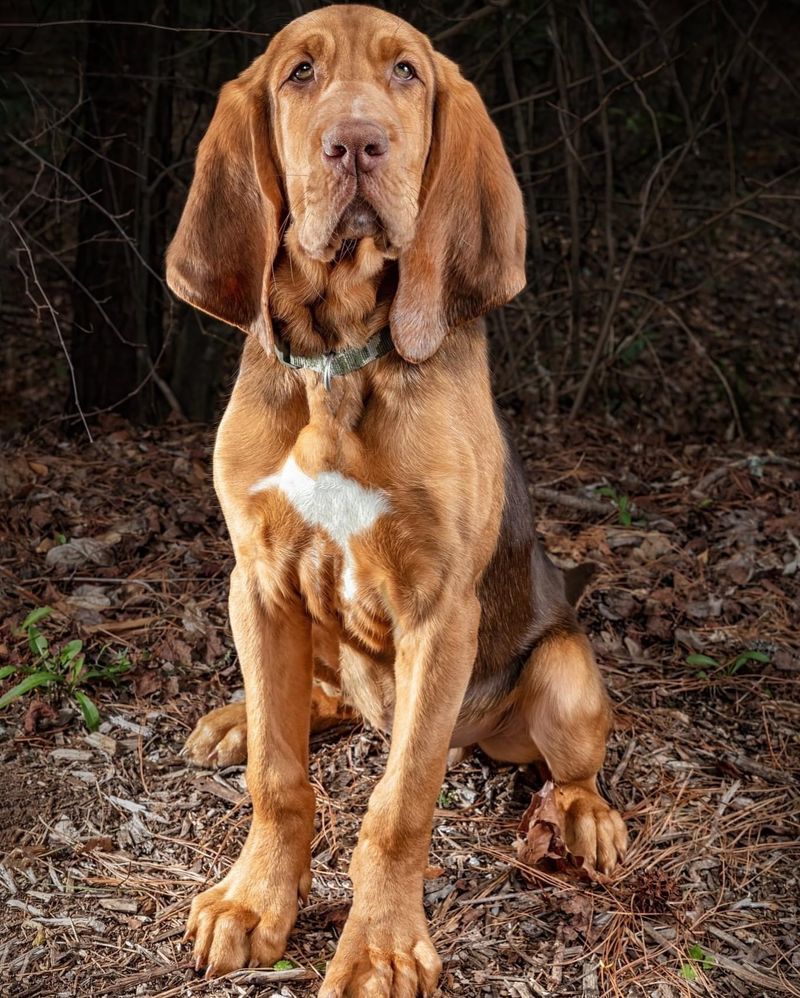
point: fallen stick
(272, 976)
(574, 502)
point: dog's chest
(337, 512)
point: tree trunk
(124, 149)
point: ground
(106, 836)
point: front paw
(383, 957)
(592, 828)
(219, 738)
(246, 919)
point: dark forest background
(657, 143)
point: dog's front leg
(385, 950)
(246, 919)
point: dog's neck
(319, 306)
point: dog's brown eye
(404, 71)
(302, 73)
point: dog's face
(350, 127)
(351, 91)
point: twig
(623, 763)
(608, 153)
(573, 502)
(701, 489)
(476, 15)
(272, 976)
(56, 324)
(81, 22)
(522, 130)
(571, 158)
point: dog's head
(351, 127)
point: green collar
(335, 363)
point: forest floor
(106, 837)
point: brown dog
(353, 209)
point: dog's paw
(392, 959)
(593, 830)
(228, 933)
(246, 919)
(219, 738)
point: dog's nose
(355, 146)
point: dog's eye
(303, 73)
(404, 71)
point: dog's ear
(468, 251)
(228, 235)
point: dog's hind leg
(220, 737)
(561, 716)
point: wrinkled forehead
(353, 42)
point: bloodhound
(354, 211)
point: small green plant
(447, 799)
(699, 956)
(621, 501)
(284, 965)
(747, 656)
(63, 668)
(629, 354)
(729, 668)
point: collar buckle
(327, 369)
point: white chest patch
(340, 506)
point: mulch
(105, 837)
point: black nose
(355, 146)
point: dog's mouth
(322, 238)
(359, 219)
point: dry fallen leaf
(102, 843)
(147, 682)
(37, 711)
(542, 828)
(80, 551)
(541, 843)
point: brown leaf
(542, 828)
(214, 647)
(37, 711)
(147, 682)
(103, 843)
(542, 844)
(173, 649)
(581, 908)
(80, 551)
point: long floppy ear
(468, 252)
(229, 231)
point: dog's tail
(554, 581)
(577, 579)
